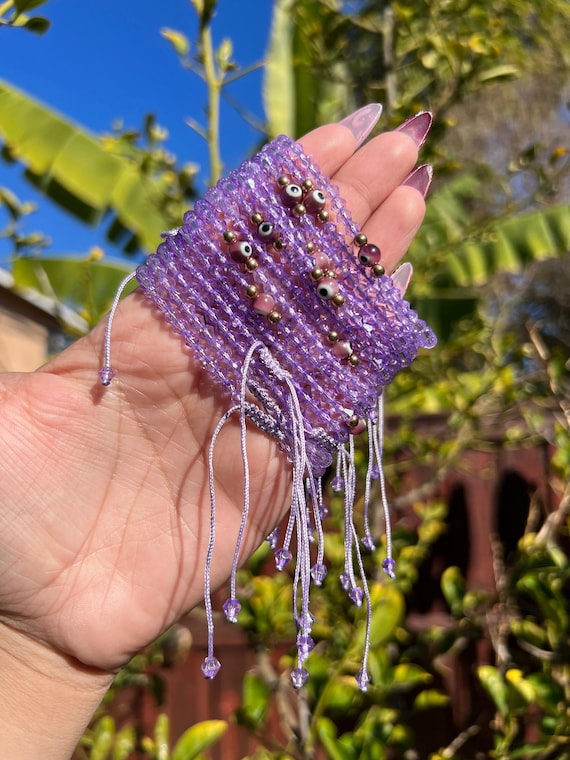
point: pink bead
(241, 251)
(266, 232)
(264, 304)
(360, 427)
(315, 201)
(369, 255)
(342, 349)
(291, 195)
(322, 261)
(327, 288)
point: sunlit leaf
(198, 738)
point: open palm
(104, 493)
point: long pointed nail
(402, 276)
(362, 122)
(420, 178)
(417, 127)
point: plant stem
(214, 85)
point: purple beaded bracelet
(286, 304)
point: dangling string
(211, 665)
(388, 565)
(106, 373)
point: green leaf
(178, 40)
(327, 733)
(198, 738)
(125, 743)
(22, 6)
(254, 703)
(453, 587)
(37, 24)
(103, 735)
(495, 686)
(430, 698)
(84, 284)
(62, 157)
(162, 737)
(387, 612)
(407, 674)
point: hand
(105, 508)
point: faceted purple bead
(356, 595)
(337, 484)
(282, 558)
(368, 542)
(363, 679)
(106, 374)
(231, 608)
(211, 667)
(389, 567)
(305, 646)
(344, 579)
(299, 677)
(305, 621)
(272, 538)
(318, 573)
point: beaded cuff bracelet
(286, 304)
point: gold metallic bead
(274, 317)
(333, 336)
(353, 360)
(251, 264)
(360, 240)
(230, 237)
(353, 421)
(278, 244)
(310, 247)
(331, 273)
(252, 291)
(337, 300)
(307, 185)
(317, 274)
(378, 270)
(323, 216)
(299, 209)
(283, 180)
(256, 219)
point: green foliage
(14, 13)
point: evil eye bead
(241, 251)
(369, 255)
(266, 232)
(291, 195)
(315, 201)
(327, 288)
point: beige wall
(23, 342)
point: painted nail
(420, 179)
(402, 276)
(362, 122)
(417, 127)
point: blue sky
(106, 60)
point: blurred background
(114, 118)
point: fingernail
(417, 127)
(362, 122)
(420, 179)
(402, 276)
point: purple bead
(211, 667)
(305, 621)
(363, 679)
(305, 646)
(318, 573)
(272, 538)
(389, 567)
(368, 542)
(356, 595)
(337, 484)
(344, 581)
(299, 677)
(231, 608)
(106, 374)
(282, 558)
